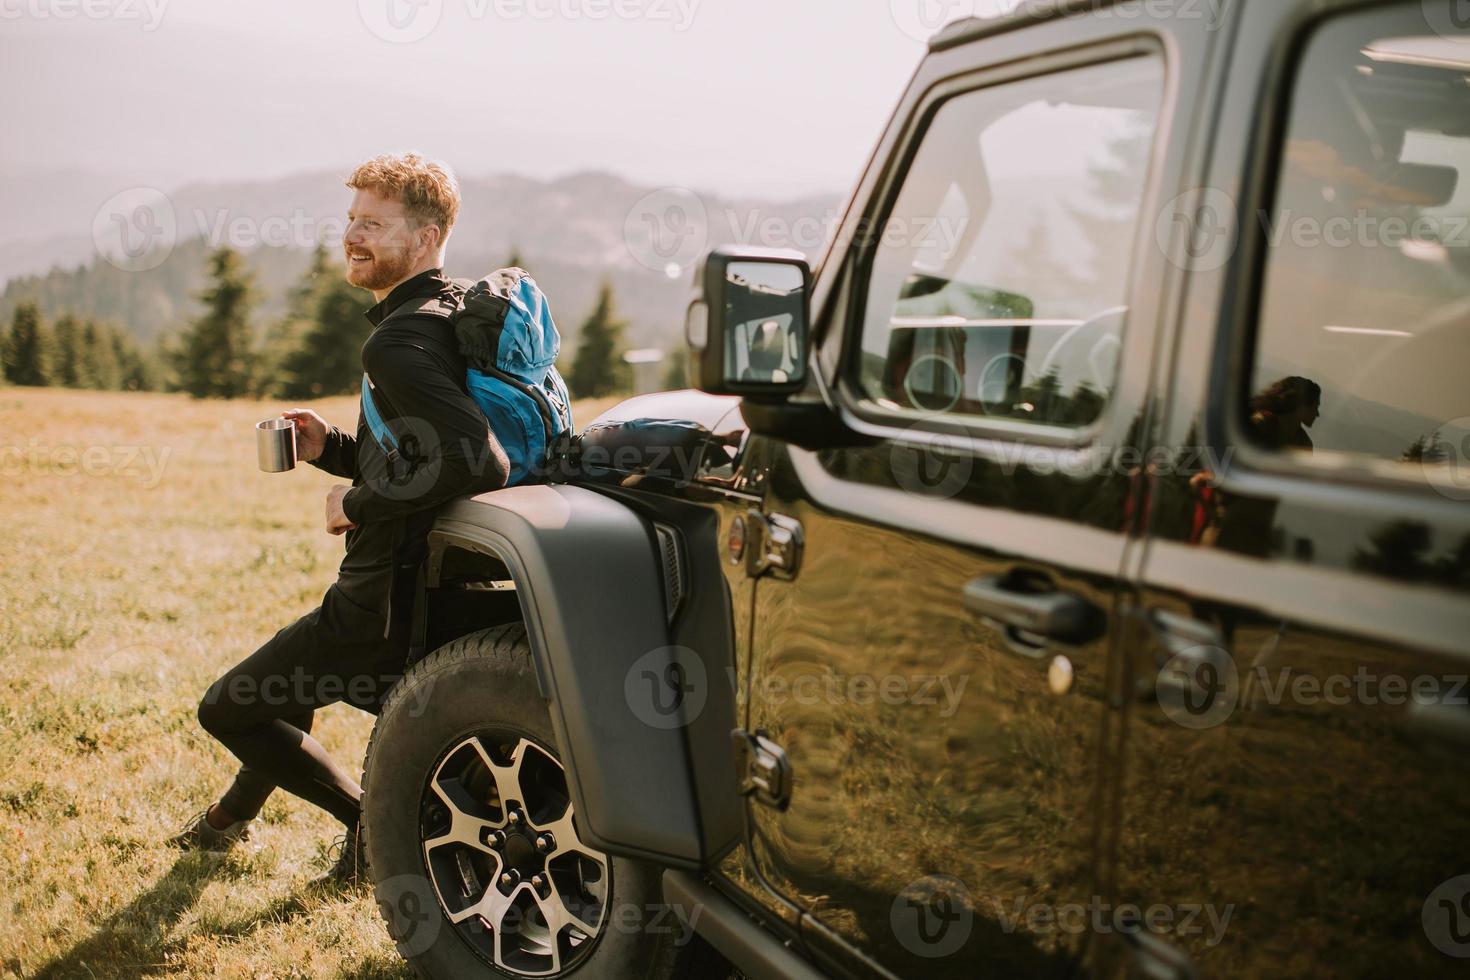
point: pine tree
(598, 368)
(326, 358)
(100, 369)
(28, 348)
(136, 371)
(286, 336)
(213, 357)
(66, 345)
(515, 261)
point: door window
(1363, 338)
(998, 285)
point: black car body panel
(1124, 677)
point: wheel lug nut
(511, 877)
(515, 818)
(545, 843)
(538, 882)
(496, 839)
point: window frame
(867, 416)
(1238, 339)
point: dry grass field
(141, 554)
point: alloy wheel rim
(502, 852)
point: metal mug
(275, 445)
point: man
(352, 648)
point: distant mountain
(570, 232)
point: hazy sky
(774, 97)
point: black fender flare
(591, 589)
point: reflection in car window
(1364, 333)
(998, 286)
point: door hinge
(763, 769)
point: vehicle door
(931, 644)
(1296, 798)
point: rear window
(1363, 339)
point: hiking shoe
(200, 835)
(349, 855)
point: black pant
(262, 709)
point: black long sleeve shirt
(446, 447)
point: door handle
(1029, 603)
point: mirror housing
(748, 327)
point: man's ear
(431, 237)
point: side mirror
(748, 328)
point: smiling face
(383, 245)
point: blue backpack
(504, 328)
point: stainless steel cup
(275, 445)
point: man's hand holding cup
(311, 433)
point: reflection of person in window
(1279, 418)
(1282, 414)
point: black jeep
(1070, 575)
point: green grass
(132, 576)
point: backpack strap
(382, 435)
(413, 306)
